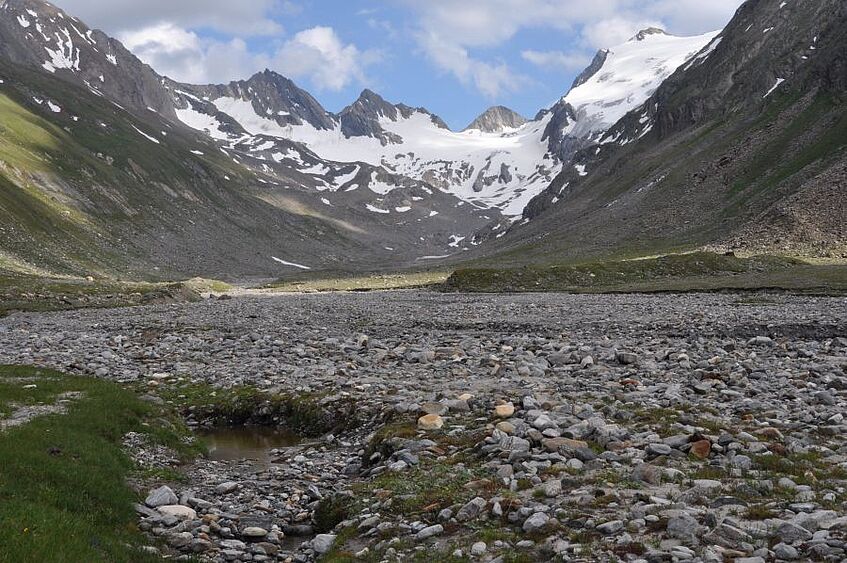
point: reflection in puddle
(246, 442)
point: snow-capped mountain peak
(624, 76)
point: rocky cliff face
(266, 94)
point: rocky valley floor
(445, 427)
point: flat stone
(434, 408)
(504, 411)
(656, 450)
(701, 449)
(429, 532)
(478, 549)
(471, 510)
(552, 488)
(610, 528)
(627, 358)
(506, 427)
(254, 532)
(178, 511)
(647, 473)
(784, 551)
(226, 488)
(789, 532)
(684, 527)
(562, 445)
(430, 422)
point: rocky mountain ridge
(497, 119)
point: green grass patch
(358, 282)
(777, 162)
(63, 478)
(426, 489)
(697, 271)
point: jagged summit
(497, 119)
(592, 69)
(648, 32)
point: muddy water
(252, 443)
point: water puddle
(252, 443)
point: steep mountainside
(37, 34)
(744, 147)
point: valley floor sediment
(697, 427)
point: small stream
(251, 443)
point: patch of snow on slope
(376, 209)
(704, 54)
(292, 264)
(202, 122)
(340, 181)
(779, 82)
(65, 56)
(146, 136)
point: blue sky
(454, 57)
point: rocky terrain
(486, 428)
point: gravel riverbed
(495, 427)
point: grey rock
(471, 510)
(163, 496)
(429, 532)
(610, 528)
(322, 543)
(535, 522)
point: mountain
(497, 119)
(744, 147)
(500, 162)
(108, 167)
(99, 174)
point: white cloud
(184, 56)
(556, 60)
(491, 79)
(319, 55)
(244, 17)
(609, 32)
(452, 34)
